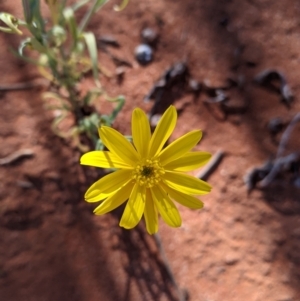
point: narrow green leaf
(99, 4)
(92, 49)
(36, 45)
(28, 9)
(33, 17)
(116, 111)
(79, 4)
(94, 8)
(70, 19)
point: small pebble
(149, 36)
(232, 259)
(143, 54)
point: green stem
(70, 86)
(89, 14)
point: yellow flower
(148, 175)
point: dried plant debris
(175, 77)
(264, 175)
(221, 97)
(216, 96)
(256, 174)
(289, 163)
(276, 81)
(276, 125)
(282, 165)
(106, 41)
(286, 135)
(176, 73)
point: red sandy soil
(239, 247)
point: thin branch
(16, 156)
(211, 165)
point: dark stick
(211, 165)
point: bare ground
(239, 247)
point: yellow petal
(109, 183)
(185, 183)
(103, 159)
(180, 146)
(135, 208)
(182, 198)
(151, 216)
(115, 200)
(189, 161)
(163, 131)
(118, 145)
(141, 133)
(166, 207)
(98, 197)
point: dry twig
(282, 161)
(211, 165)
(21, 86)
(16, 156)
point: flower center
(148, 173)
